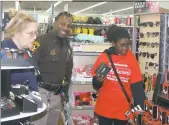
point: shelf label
(79, 107)
(77, 48)
(83, 82)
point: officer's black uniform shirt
(54, 57)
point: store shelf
(72, 37)
(82, 118)
(82, 107)
(79, 80)
(15, 67)
(83, 43)
(98, 25)
(82, 53)
(122, 25)
(93, 25)
(82, 82)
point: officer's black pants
(108, 121)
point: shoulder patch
(36, 45)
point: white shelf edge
(78, 43)
(15, 67)
(82, 107)
(24, 115)
(98, 25)
(82, 82)
(85, 53)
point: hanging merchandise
(149, 39)
(80, 19)
(154, 81)
(122, 20)
(91, 31)
(103, 33)
(78, 30)
(117, 20)
(85, 19)
(84, 30)
(149, 81)
(83, 98)
(97, 32)
(165, 86)
(84, 120)
(128, 21)
(97, 21)
(105, 21)
(92, 38)
(150, 24)
(112, 21)
(75, 18)
(148, 47)
(90, 20)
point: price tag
(83, 82)
(79, 48)
(79, 107)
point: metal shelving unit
(97, 25)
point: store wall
(164, 4)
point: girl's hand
(100, 78)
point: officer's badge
(53, 52)
(36, 45)
(69, 53)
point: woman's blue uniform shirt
(20, 76)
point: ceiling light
(90, 7)
(56, 4)
(129, 8)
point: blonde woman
(20, 33)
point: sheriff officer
(54, 57)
